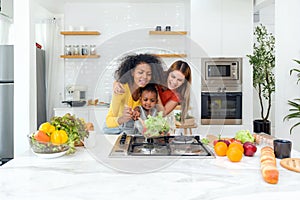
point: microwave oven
(221, 71)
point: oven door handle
(215, 94)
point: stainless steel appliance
(76, 95)
(41, 86)
(221, 91)
(221, 108)
(77, 92)
(170, 146)
(6, 103)
(221, 71)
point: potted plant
(294, 104)
(263, 62)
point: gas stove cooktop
(170, 146)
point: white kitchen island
(91, 174)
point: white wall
(287, 20)
(124, 27)
(23, 59)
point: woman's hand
(127, 115)
(89, 126)
(118, 88)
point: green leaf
(155, 125)
(74, 127)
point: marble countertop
(91, 174)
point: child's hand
(136, 114)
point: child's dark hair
(150, 87)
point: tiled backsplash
(124, 28)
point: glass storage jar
(68, 50)
(93, 49)
(84, 50)
(76, 49)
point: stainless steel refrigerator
(6, 103)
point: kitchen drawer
(97, 116)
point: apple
(249, 149)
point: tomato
(59, 137)
(41, 136)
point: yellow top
(117, 105)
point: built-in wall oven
(221, 107)
(221, 91)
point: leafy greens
(156, 126)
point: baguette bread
(268, 167)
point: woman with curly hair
(135, 72)
(173, 89)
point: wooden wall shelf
(167, 32)
(171, 55)
(80, 56)
(80, 33)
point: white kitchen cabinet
(97, 116)
(93, 114)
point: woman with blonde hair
(176, 89)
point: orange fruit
(236, 145)
(220, 148)
(234, 154)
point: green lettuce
(156, 126)
(244, 136)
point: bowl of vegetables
(59, 136)
(48, 146)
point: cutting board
(292, 164)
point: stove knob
(197, 137)
(122, 141)
(124, 135)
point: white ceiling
(57, 6)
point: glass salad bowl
(39, 147)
